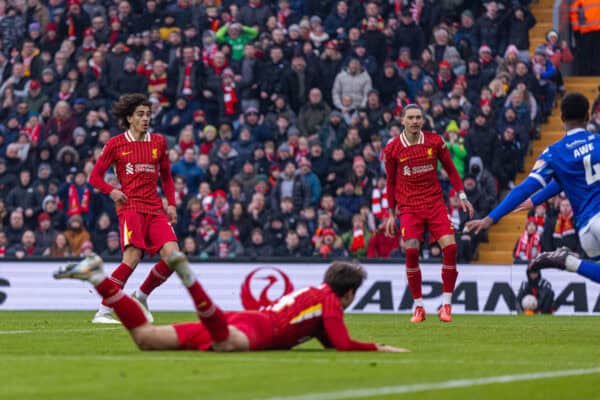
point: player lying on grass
(310, 312)
(571, 164)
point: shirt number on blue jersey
(592, 172)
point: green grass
(60, 355)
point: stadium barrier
(489, 289)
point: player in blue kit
(571, 165)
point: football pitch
(60, 355)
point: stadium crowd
(276, 113)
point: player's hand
(391, 349)
(172, 214)
(526, 205)
(117, 196)
(467, 207)
(390, 226)
(478, 225)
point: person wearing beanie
(129, 81)
(45, 233)
(76, 234)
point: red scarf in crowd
(145, 69)
(358, 240)
(71, 28)
(2, 251)
(114, 35)
(564, 226)
(32, 132)
(379, 203)
(230, 99)
(282, 16)
(187, 80)
(76, 208)
(96, 69)
(158, 85)
(529, 244)
(208, 55)
(186, 145)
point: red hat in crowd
(43, 217)
(358, 160)
(331, 44)
(74, 3)
(452, 192)
(114, 19)
(219, 193)
(51, 26)
(485, 103)
(199, 113)
(328, 232)
(34, 85)
(445, 64)
(88, 32)
(208, 220)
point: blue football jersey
(574, 162)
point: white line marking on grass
(422, 387)
(42, 330)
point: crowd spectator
(541, 289)
(276, 115)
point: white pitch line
(27, 331)
(422, 387)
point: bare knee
(142, 337)
(132, 256)
(237, 341)
(411, 244)
(169, 249)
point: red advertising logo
(267, 278)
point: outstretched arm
(541, 174)
(549, 191)
(510, 202)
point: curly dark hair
(342, 276)
(574, 107)
(126, 105)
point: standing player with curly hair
(138, 158)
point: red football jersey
(312, 312)
(412, 180)
(137, 165)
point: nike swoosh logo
(404, 159)
(126, 153)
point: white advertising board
(487, 289)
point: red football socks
(120, 276)
(413, 272)
(449, 272)
(211, 316)
(157, 276)
(127, 309)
